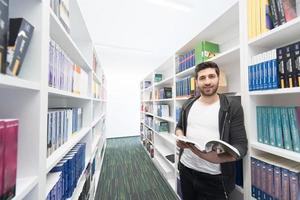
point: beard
(208, 90)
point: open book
(217, 145)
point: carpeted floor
(129, 174)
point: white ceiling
(141, 34)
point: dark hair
(205, 65)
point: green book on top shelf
(158, 77)
(205, 50)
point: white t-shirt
(202, 126)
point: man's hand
(181, 144)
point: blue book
(278, 127)
(294, 128)
(270, 74)
(265, 75)
(286, 129)
(275, 70)
(250, 78)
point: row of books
(148, 134)
(162, 93)
(158, 77)
(277, 68)
(203, 51)
(8, 157)
(161, 126)
(64, 74)
(98, 91)
(147, 84)
(148, 120)
(264, 15)
(279, 126)
(186, 86)
(71, 168)
(62, 123)
(162, 110)
(61, 8)
(15, 34)
(89, 172)
(145, 107)
(274, 178)
(185, 61)
(178, 113)
(149, 147)
(263, 71)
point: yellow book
(249, 20)
(253, 18)
(258, 17)
(192, 84)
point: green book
(271, 123)
(205, 50)
(286, 129)
(265, 130)
(259, 124)
(158, 77)
(278, 127)
(294, 128)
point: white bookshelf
(28, 96)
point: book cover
(263, 178)
(265, 128)
(285, 181)
(253, 178)
(214, 145)
(250, 78)
(270, 181)
(259, 124)
(275, 78)
(281, 13)
(296, 62)
(281, 69)
(288, 67)
(271, 123)
(286, 129)
(289, 8)
(3, 34)
(274, 13)
(2, 132)
(294, 182)
(20, 33)
(10, 158)
(294, 128)
(278, 127)
(277, 182)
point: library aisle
(129, 174)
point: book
(158, 77)
(10, 157)
(3, 34)
(214, 145)
(2, 132)
(296, 62)
(289, 8)
(20, 34)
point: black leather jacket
(231, 129)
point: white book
(217, 145)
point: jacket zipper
(222, 135)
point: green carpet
(128, 173)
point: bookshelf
(225, 31)
(27, 97)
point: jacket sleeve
(238, 137)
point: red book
(10, 157)
(1, 156)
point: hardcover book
(219, 146)
(10, 158)
(20, 33)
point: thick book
(10, 158)
(3, 34)
(214, 145)
(2, 129)
(20, 34)
(296, 62)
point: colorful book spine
(10, 158)
(278, 127)
(259, 122)
(286, 129)
(271, 123)
(294, 128)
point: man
(208, 175)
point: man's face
(207, 81)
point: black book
(281, 70)
(3, 34)
(20, 33)
(296, 63)
(287, 61)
